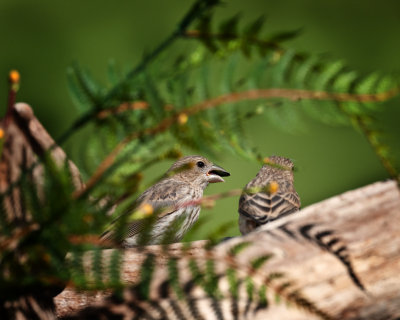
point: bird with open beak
(175, 198)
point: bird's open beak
(216, 173)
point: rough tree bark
(343, 253)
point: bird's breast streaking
(174, 201)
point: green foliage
(210, 280)
(35, 251)
(97, 268)
(146, 276)
(86, 92)
(259, 262)
(262, 297)
(202, 101)
(152, 113)
(233, 282)
(235, 250)
(249, 288)
(115, 269)
(174, 278)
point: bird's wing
(164, 199)
(264, 207)
(161, 209)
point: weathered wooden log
(342, 253)
(24, 141)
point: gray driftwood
(343, 253)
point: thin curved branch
(256, 94)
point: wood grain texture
(343, 253)
(25, 143)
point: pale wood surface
(357, 276)
(365, 223)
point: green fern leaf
(236, 249)
(385, 84)
(114, 74)
(281, 72)
(174, 278)
(262, 297)
(250, 288)
(230, 26)
(153, 97)
(250, 33)
(205, 29)
(77, 269)
(146, 275)
(368, 85)
(343, 83)
(258, 262)
(85, 90)
(303, 71)
(326, 78)
(233, 283)
(252, 30)
(115, 269)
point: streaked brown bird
(269, 196)
(175, 197)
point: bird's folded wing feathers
(161, 209)
(263, 207)
(163, 198)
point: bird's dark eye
(200, 164)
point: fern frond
(146, 276)
(259, 261)
(85, 91)
(235, 250)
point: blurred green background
(42, 38)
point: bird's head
(197, 169)
(278, 166)
(279, 162)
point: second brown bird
(269, 196)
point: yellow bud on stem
(182, 118)
(14, 76)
